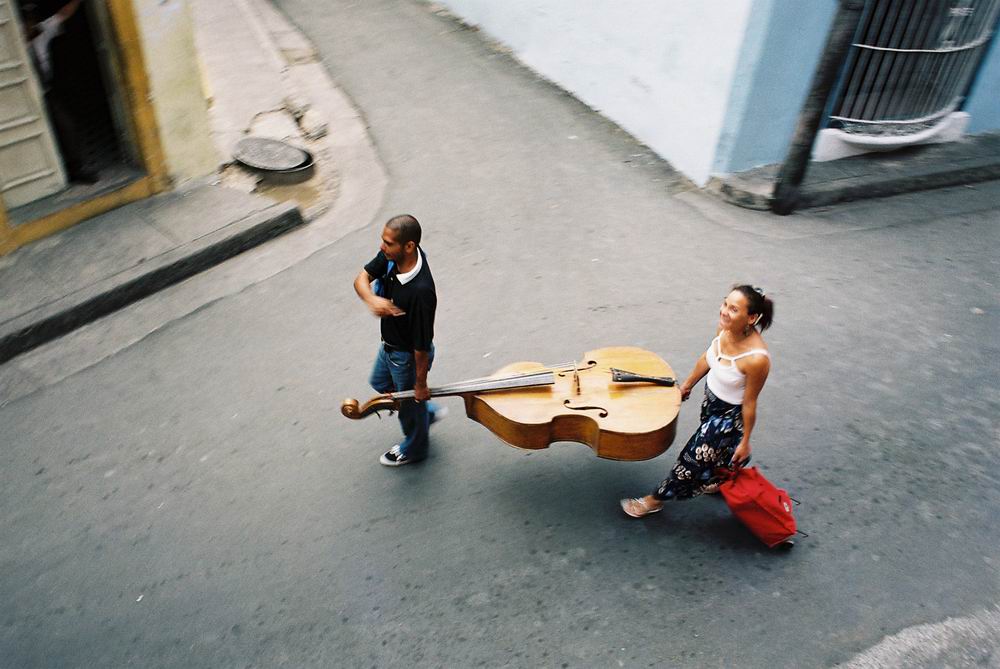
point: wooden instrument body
(619, 421)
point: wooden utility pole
(786, 188)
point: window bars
(911, 64)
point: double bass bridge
(573, 368)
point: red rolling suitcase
(764, 508)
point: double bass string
(471, 385)
(487, 383)
(526, 380)
(539, 377)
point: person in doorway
(737, 363)
(398, 288)
(43, 35)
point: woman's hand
(685, 391)
(740, 455)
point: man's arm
(421, 392)
(422, 321)
(379, 306)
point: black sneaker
(394, 458)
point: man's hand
(421, 392)
(383, 308)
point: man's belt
(389, 347)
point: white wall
(661, 70)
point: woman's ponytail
(758, 303)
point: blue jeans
(395, 371)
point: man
(405, 301)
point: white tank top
(724, 378)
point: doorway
(72, 59)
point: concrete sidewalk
(114, 259)
(262, 79)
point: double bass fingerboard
(483, 385)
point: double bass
(622, 402)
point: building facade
(101, 104)
(716, 87)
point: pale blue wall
(984, 98)
(783, 44)
(662, 70)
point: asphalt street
(197, 500)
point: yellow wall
(167, 37)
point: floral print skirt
(711, 446)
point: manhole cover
(269, 154)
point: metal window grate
(911, 64)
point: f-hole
(603, 412)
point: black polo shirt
(414, 330)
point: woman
(737, 364)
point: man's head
(400, 238)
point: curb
(820, 195)
(731, 189)
(970, 160)
(111, 294)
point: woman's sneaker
(394, 457)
